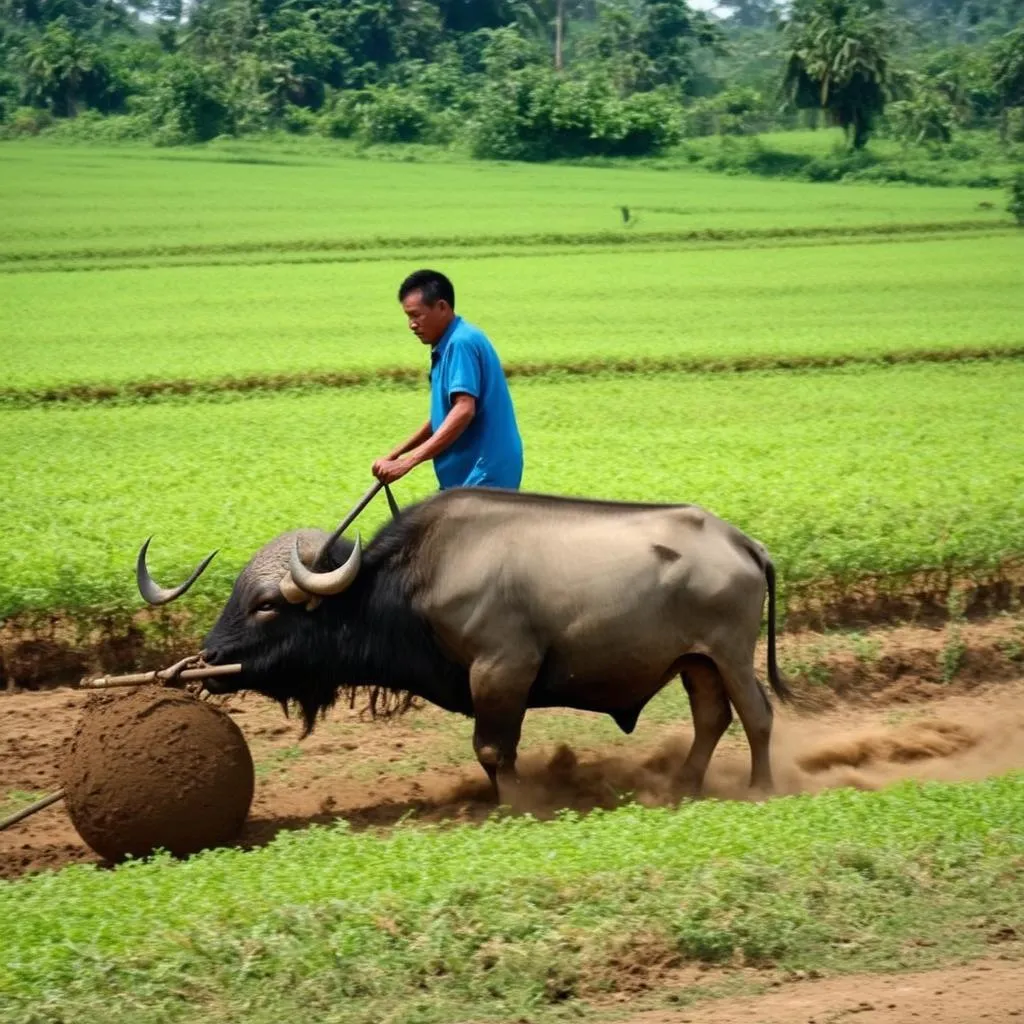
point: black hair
(432, 284)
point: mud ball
(156, 768)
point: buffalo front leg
(499, 689)
(709, 707)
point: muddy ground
(990, 990)
(911, 702)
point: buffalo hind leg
(709, 707)
(751, 704)
(499, 689)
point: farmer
(471, 435)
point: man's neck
(444, 333)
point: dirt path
(990, 990)
(374, 774)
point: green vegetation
(517, 919)
(975, 160)
(1016, 205)
(840, 473)
(512, 79)
(702, 307)
(692, 244)
(13, 800)
(839, 61)
(335, 142)
(240, 200)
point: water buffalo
(489, 602)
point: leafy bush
(393, 115)
(927, 117)
(1016, 205)
(340, 117)
(536, 115)
(92, 126)
(190, 103)
(26, 121)
(299, 120)
(652, 124)
(739, 110)
(1015, 124)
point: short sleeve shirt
(489, 452)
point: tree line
(514, 79)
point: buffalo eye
(264, 610)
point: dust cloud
(809, 755)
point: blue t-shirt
(489, 452)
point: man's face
(428, 323)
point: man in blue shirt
(472, 434)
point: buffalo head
(266, 624)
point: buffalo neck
(382, 641)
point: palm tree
(838, 61)
(58, 63)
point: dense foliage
(507, 79)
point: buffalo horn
(324, 584)
(152, 591)
(292, 594)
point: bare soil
(871, 709)
(990, 990)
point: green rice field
(841, 473)
(871, 470)
(212, 323)
(244, 198)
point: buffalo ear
(312, 604)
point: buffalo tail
(778, 683)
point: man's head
(428, 299)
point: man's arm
(417, 439)
(431, 444)
(414, 442)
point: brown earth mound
(156, 768)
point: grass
(278, 761)
(841, 473)
(721, 307)
(517, 919)
(90, 200)
(13, 800)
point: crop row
(510, 920)
(90, 202)
(841, 473)
(205, 324)
(416, 248)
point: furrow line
(370, 244)
(130, 392)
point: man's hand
(415, 441)
(387, 471)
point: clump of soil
(156, 768)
